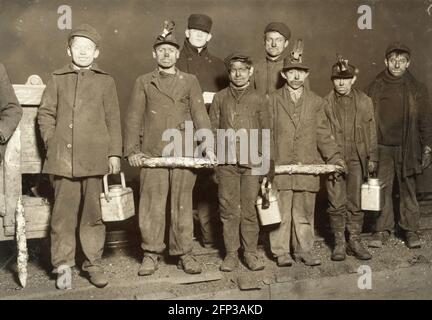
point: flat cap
(238, 56)
(200, 22)
(86, 31)
(280, 27)
(167, 36)
(397, 46)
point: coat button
(71, 126)
(69, 146)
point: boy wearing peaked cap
(240, 108)
(352, 122)
(164, 99)
(402, 112)
(195, 58)
(301, 134)
(79, 120)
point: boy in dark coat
(352, 123)
(195, 58)
(240, 108)
(79, 119)
(404, 130)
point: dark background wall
(31, 43)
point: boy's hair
(245, 60)
(398, 53)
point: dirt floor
(168, 282)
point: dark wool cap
(280, 27)
(397, 46)
(238, 56)
(86, 31)
(200, 22)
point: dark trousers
(344, 199)
(156, 185)
(238, 191)
(296, 229)
(71, 197)
(390, 166)
(205, 199)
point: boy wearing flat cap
(267, 77)
(402, 113)
(79, 120)
(352, 122)
(241, 109)
(163, 100)
(301, 135)
(195, 58)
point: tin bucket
(268, 214)
(117, 202)
(372, 195)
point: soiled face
(274, 43)
(343, 86)
(397, 63)
(166, 55)
(295, 77)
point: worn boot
(356, 249)
(189, 264)
(230, 263)
(149, 264)
(338, 253)
(337, 225)
(412, 240)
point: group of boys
(79, 120)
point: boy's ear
(307, 74)
(251, 71)
(209, 36)
(68, 50)
(154, 54)
(187, 33)
(283, 75)
(96, 53)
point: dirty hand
(341, 166)
(210, 155)
(271, 173)
(372, 167)
(426, 157)
(135, 159)
(114, 164)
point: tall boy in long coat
(79, 119)
(163, 100)
(300, 130)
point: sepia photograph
(224, 153)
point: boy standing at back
(79, 119)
